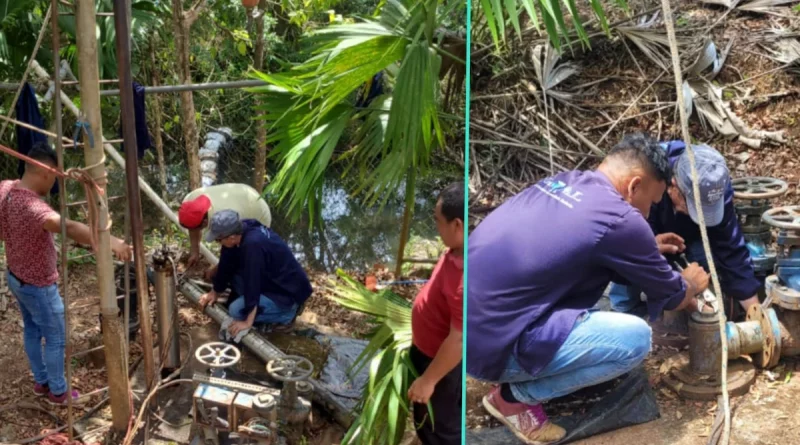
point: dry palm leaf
(549, 73)
(763, 6)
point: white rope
(676, 66)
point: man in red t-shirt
(27, 225)
(436, 330)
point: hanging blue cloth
(142, 135)
(371, 89)
(27, 111)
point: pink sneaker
(528, 422)
(62, 399)
(41, 390)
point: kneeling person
(259, 266)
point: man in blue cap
(675, 218)
(258, 266)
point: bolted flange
(770, 352)
(679, 377)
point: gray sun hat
(223, 224)
(714, 180)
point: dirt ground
(16, 382)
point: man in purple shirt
(540, 261)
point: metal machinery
(753, 195)
(166, 314)
(251, 413)
(768, 333)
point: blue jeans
(626, 299)
(602, 346)
(268, 311)
(43, 317)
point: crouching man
(538, 264)
(259, 267)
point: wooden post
(260, 171)
(113, 338)
(123, 47)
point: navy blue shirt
(267, 266)
(728, 247)
(545, 257)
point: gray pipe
(265, 351)
(168, 329)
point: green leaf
(242, 48)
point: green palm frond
(384, 410)
(551, 13)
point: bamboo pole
(122, 26)
(260, 171)
(85, 24)
(62, 209)
(116, 157)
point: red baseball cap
(192, 213)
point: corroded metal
(681, 379)
(705, 347)
(672, 329)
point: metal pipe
(166, 319)
(116, 157)
(704, 344)
(265, 351)
(194, 87)
(790, 332)
(123, 47)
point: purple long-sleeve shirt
(544, 257)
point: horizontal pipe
(266, 351)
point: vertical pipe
(119, 387)
(123, 48)
(62, 207)
(166, 319)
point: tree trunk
(260, 172)
(411, 185)
(188, 120)
(113, 337)
(155, 78)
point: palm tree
(310, 107)
(496, 14)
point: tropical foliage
(384, 409)
(310, 107)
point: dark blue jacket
(735, 268)
(267, 267)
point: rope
(13, 106)
(676, 66)
(92, 188)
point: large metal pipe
(265, 351)
(168, 329)
(705, 345)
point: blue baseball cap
(223, 224)
(714, 180)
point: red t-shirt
(439, 305)
(30, 249)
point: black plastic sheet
(630, 402)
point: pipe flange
(786, 217)
(264, 401)
(783, 296)
(681, 379)
(758, 187)
(770, 352)
(291, 368)
(218, 355)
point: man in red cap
(200, 205)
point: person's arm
(628, 248)
(195, 236)
(225, 270)
(82, 234)
(732, 257)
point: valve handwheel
(218, 355)
(787, 217)
(291, 368)
(758, 187)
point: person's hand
(421, 390)
(208, 298)
(123, 251)
(670, 243)
(696, 278)
(238, 326)
(194, 257)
